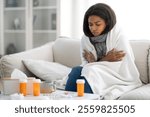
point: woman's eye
(98, 24)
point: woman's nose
(94, 28)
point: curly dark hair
(105, 12)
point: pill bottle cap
(80, 81)
(37, 80)
(23, 80)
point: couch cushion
(141, 93)
(140, 50)
(67, 51)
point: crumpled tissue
(17, 74)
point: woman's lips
(95, 33)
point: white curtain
(132, 15)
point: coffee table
(64, 95)
(57, 95)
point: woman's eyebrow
(95, 22)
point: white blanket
(111, 79)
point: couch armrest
(9, 62)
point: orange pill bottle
(80, 87)
(36, 87)
(23, 86)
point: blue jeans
(73, 76)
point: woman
(107, 61)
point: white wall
(133, 15)
(65, 17)
(71, 18)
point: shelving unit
(27, 24)
(40, 27)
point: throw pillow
(140, 50)
(48, 71)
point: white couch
(67, 52)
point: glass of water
(48, 87)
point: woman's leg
(73, 76)
(87, 87)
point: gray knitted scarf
(99, 43)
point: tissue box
(11, 86)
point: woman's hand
(113, 56)
(89, 56)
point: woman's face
(96, 25)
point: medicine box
(11, 86)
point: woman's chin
(96, 34)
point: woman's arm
(114, 55)
(89, 56)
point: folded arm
(112, 56)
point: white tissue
(17, 74)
